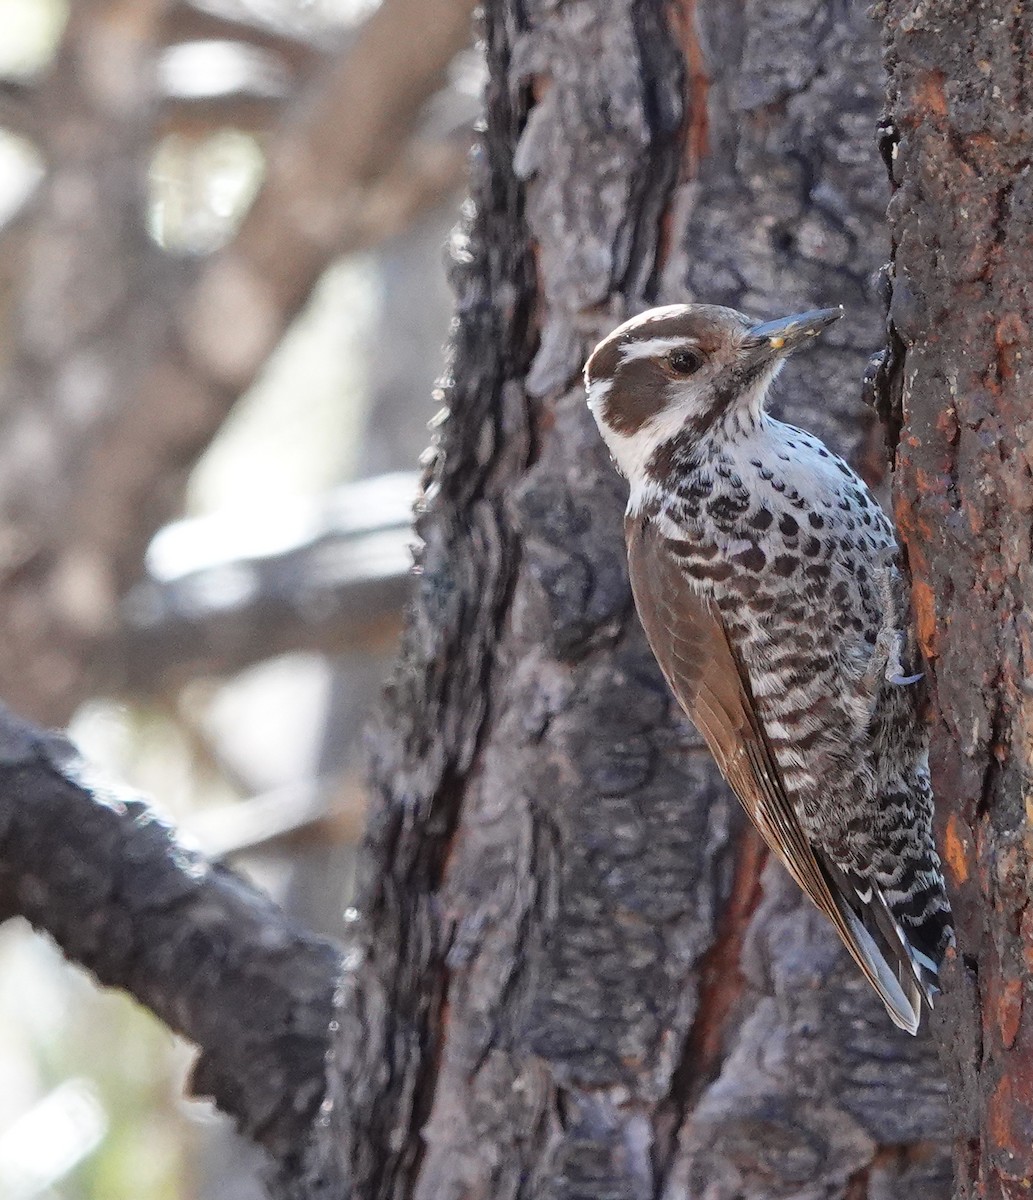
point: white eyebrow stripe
(598, 390)
(654, 347)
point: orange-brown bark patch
(954, 849)
(1009, 1121)
(1010, 337)
(947, 423)
(721, 974)
(925, 616)
(1009, 1011)
(683, 25)
(932, 95)
(1026, 934)
(999, 1111)
(914, 526)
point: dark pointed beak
(776, 339)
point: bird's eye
(685, 362)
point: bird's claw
(904, 680)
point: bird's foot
(903, 680)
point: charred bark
(573, 976)
(962, 223)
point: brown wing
(696, 655)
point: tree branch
(19, 111)
(321, 180)
(309, 26)
(336, 579)
(208, 954)
(298, 47)
(332, 810)
(196, 118)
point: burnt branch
(211, 956)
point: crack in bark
(722, 984)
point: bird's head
(688, 369)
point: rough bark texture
(207, 953)
(572, 976)
(961, 136)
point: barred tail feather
(923, 922)
(904, 960)
(898, 991)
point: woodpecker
(767, 580)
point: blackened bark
(960, 79)
(213, 958)
(572, 977)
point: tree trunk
(573, 974)
(962, 222)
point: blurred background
(223, 306)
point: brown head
(688, 368)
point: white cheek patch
(633, 451)
(672, 419)
(654, 347)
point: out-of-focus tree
(123, 356)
